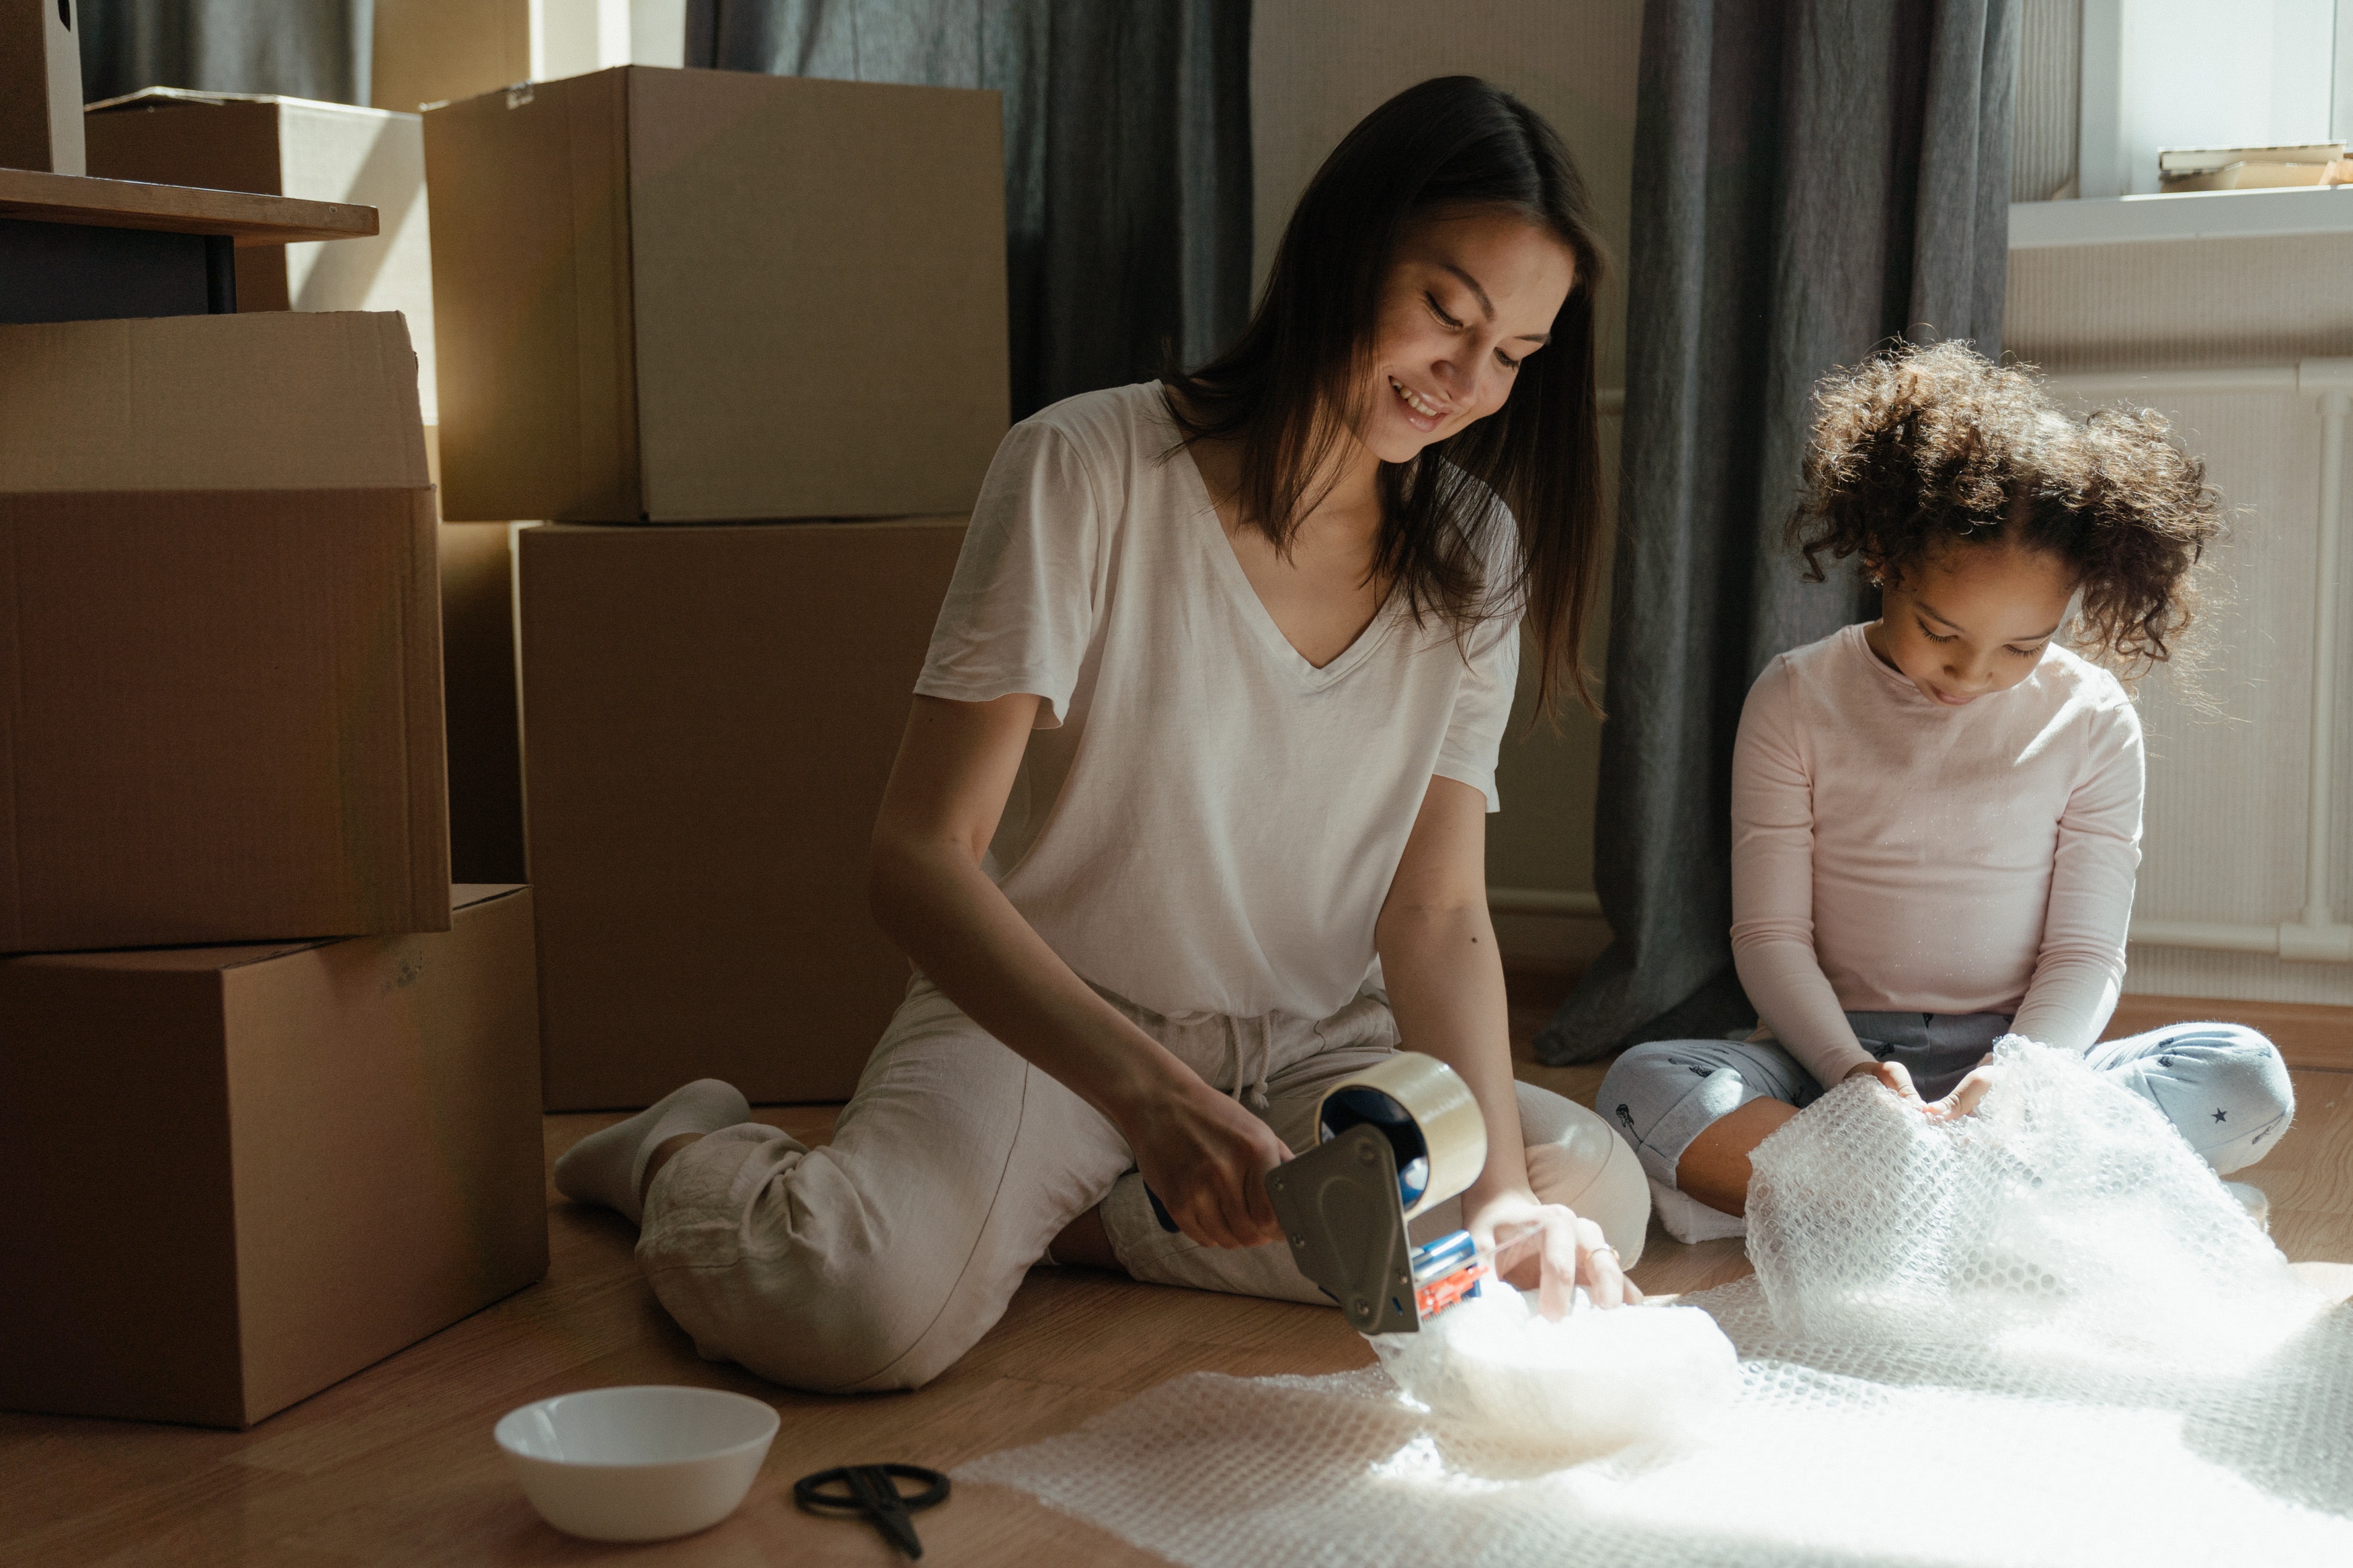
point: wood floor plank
(2310, 1174)
(396, 1465)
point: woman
(1188, 820)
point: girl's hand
(1895, 1076)
(1546, 1248)
(1206, 1159)
(1965, 1094)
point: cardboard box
(292, 147)
(242, 1173)
(709, 715)
(40, 87)
(677, 296)
(479, 692)
(219, 635)
(430, 52)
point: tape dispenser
(1395, 1141)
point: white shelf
(2195, 215)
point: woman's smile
(1422, 412)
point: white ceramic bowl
(638, 1464)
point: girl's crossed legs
(877, 1261)
(2223, 1086)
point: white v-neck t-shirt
(1206, 822)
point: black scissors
(873, 1490)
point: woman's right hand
(1206, 1159)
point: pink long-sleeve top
(1890, 855)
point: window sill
(2195, 215)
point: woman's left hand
(1549, 1247)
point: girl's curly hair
(1920, 449)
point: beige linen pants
(877, 1261)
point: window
(2107, 83)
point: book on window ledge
(2180, 169)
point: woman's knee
(1576, 1159)
(860, 1325)
(769, 1256)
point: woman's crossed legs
(878, 1262)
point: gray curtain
(1127, 157)
(1812, 178)
(303, 48)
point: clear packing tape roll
(2041, 1334)
(1394, 1141)
(1427, 1113)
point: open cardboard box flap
(300, 401)
(220, 634)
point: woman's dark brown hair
(1918, 450)
(1298, 376)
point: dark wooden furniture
(75, 248)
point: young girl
(1188, 820)
(1936, 817)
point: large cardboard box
(709, 716)
(40, 87)
(678, 296)
(220, 643)
(429, 52)
(241, 1173)
(292, 147)
(480, 691)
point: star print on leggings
(2221, 1116)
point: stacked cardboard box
(712, 713)
(742, 303)
(435, 52)
(221, 637)
(243, 1171)
(292, 147)
(687, 296)
(431, 51)
(481, 692)
(334, 152)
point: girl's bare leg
(1715, 1168)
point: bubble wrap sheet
(2042, 1335)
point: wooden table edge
(253, 218)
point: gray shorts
(2223, 1086)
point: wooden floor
(395, 1466)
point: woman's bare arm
(1445, 976)
(1204, 1155)
(1446, 986)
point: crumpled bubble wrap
(1589, 1383)
(2066, 1210)
(2040, 1335)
